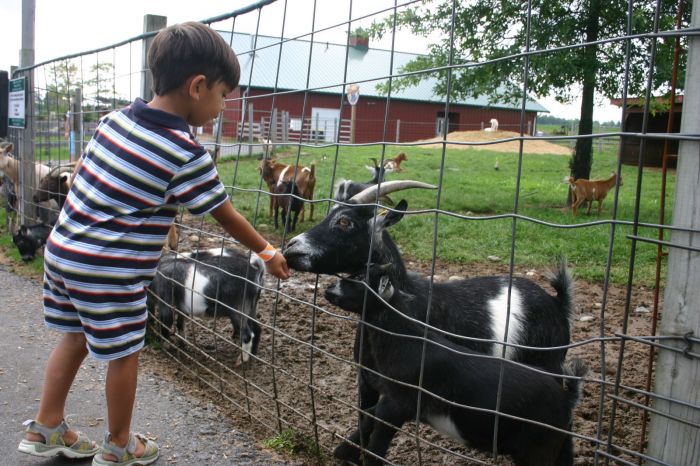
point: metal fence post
(398, 130)
(4, 84)
(677, 374)
(26, 208)
(76, 125)
(150, 23)
(250, 129)
(272, 134)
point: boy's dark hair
(183, 50)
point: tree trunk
(582, 159)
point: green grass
(289, 442)
(473, 188)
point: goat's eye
(344, 223)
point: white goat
(10, 166)
(494, 125)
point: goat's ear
(393, 216)
(387, 218)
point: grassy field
(474, 190)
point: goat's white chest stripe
(282, 175)
(194, 301)
(498, 308)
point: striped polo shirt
(140, 165)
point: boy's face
(210, 101)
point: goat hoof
(347, 453)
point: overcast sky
(70, 26)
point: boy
(141, 163)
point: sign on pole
(353, 93)
(17, 102)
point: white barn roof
(367, 67)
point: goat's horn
(370, 194)
(61, 168)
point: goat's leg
(367, 399)
(276, 215)
(566, 453)
(294, 221)
(347, 451)
(590, 204)
(256, 329)
(285, 218)
(574, 206)
(247, 339)
(390, 416)
(600, 206)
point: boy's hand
(277, 266)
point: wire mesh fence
(325, 355)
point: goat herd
(448, 338)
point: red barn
(283, 97)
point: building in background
(657, 123)
(302, 98)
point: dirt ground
(303, 377)
(533, 146)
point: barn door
(324, 124)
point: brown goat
(274, 173)
(394, 165)
(583, 190)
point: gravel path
(189, 431)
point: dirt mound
(530, 146)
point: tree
(492, 30)
(61, 79)
(97, 84)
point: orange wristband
(267, 253)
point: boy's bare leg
(61, 368)
(121, 391)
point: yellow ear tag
(383, 213)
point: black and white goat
(30, 238)
(454, 381)
(478, 308)
(214, 283)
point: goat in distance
(583, 190)
(274, 173)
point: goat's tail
(563, 283)
(574, 368)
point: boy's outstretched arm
(237, 226)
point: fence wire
(292, 107)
